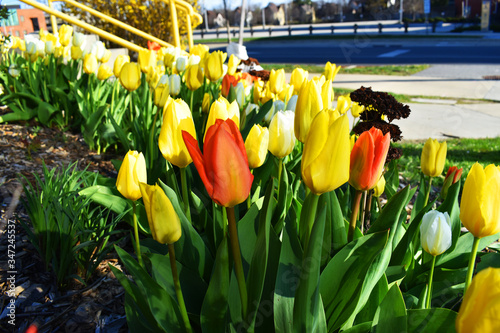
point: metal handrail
(86, 26)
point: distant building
(274, 14)
(23, 21)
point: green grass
(375, 70)
(462, 153)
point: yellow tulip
(176, 118)
(232, 64)
(326, 154)
(286, 93)
(433, 158)
(357, 109)
(199, 50)
(130, 76)
(380, 187)
(132, 172)
(309, 103)
(162, 92)
(105, 58)
(213, 65)
(104, 72)
(50, 37)
(121, 60)
(76, 53)
(163, 221)
(481, 305)
(65, 34)
(331, 71)
(298, 77)
(153, 77)
(258, 89)
(90, 63)
(343, 104)
(207, 101)
(221, 109)
(256, 145)
(194, 77)
(281, 136)
(480, 205)
(22, 45)
(277, 80)
(146, 60)
(327, 94)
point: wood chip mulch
(96, 307)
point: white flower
(435, 232)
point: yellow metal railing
(193, 19)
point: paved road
(363, 50)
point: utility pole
(401, 11)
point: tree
(150, 16)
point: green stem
(429, 291)
(152, 137)
(131, 110)
(178, 290)
(238, 267)
(472, 261)
(280, 170)
(185, 197)
(310, 218)
(363, 212)
(355, 210)
(136, 235)
(427, 192)
(191, 102)
(249, 199)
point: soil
(95, 307)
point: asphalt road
(363, 50)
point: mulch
(95, 307)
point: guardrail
(304, 30)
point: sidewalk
(437, 118)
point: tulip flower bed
(254, 205)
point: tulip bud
(330, 71)
(131, 173)
(325, 158)
(256, 146)
(194, 77)
(286, 93)
(98, 49)
(104, 72)
(452, 176)
(90, 63)
(14, 71)
(367, 159)
(223, 166)
(433, 158)
(163, 221)
(105, 58)
(207, 102)
(78, 39)
(258, 89)
(327, 94)
(281, 135)
(232, 64)
(292, 102)
(199, 50)
(481, 304)
(343, 104)
(277, 80)
(130, 76)
(76, 53)
(221, 109)
(49, 47)
(297, 78)
(435, 232)
(65, 33)
(309, 103)
(213, 66)
(176, 119)
(479, 207)
(162, 92)
(379, 188)
(146, 60)
(194, 60)
(180, 64)
(356, 109)
(119, 62)
(175, 84)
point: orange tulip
(367, 159)
(223, 166)
(227, 82)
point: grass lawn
(462, 153)
(376, 70)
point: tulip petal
(196, 155)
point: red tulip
(367, 159)
(153, 46)
(223, 166)
(227, 82)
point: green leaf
(308, 312)
(163, 307)
(45, 111)
(450, 205)
(376, 297)
(339, 234)
(190, 249)
(431, 321)
(287, 278)
(360, 328)
(215, 304)
(256, 118)
(257, 271)
(459, 257)
(122, 137)
(391, 314)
